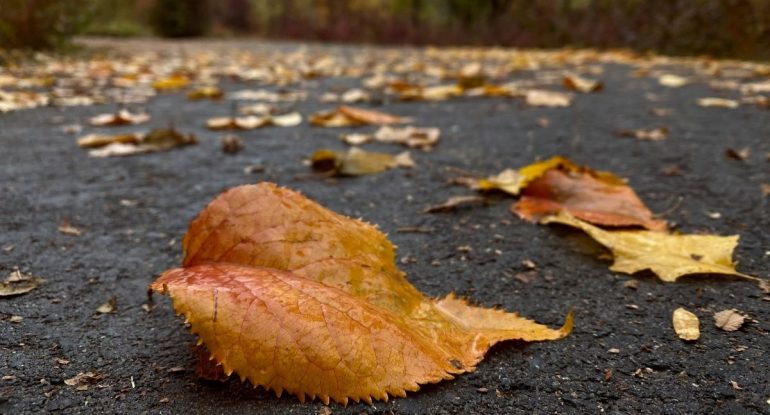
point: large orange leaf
(597, 197)
(295, 297)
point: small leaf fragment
(17, 283)
(729, 320)
(718, 102)
(653, 134)
(455, 202)
(122, 117)
(544, 98)
(668, 256)
(575, 82)
(686, 324)
(66, 228)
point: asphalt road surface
(623, 356)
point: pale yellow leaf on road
(669, 256)
(686, 324)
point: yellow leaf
(686, 324)
(669, 256)
(297, 298)
(170, 83)
(513, 181)
(357, 162)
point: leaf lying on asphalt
(413, 137)
(597, 197)
(17, 283)
(668, 256)
(654, 134)
(171, 83)
(136, 143)
(82, 381)
(206, 92)
(729, 320)
(557, 183)
(672, 81)
(251, 122)
(455, 202)
(577, 83)
(718, 102)
(346, 116)
(350, 96)
(686, 324)
(543, 98)
(357, 162)
(122, 117)
(297, 298)
(66, 228)
(512, 181)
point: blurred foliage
(40, 24)
(180, 18)
(738, 28)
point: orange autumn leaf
(297, 298)
(596, 197)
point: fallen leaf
(455, 202)
(672, 81)
(297, 298)
(109, 306)
(345, 116)
(16, 319)
(350, 96)
(206, 92)
(738, 154)
(413, 137)
(122, 117)
(668, 256)
(597, 197)
(66, 228)
(577, 83)
(231, 144)
(718, 102)
(512, 181)
(251, 122)
(269, 96)
(661, 112)
(129, 144)
(686, 324)
(729, 320)
(357, 162)
(543, 98)
(171, 83)
(654, 134)
(83, 380)
(17, 283)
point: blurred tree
(40, 24)
(180, 18)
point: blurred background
(722, 28)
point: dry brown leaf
(413, 137)
(597, 197)
(231, 144)
(66, 228)
(686, 324)
(357, 162)
(654, 134)
(729, 320)
(17, 283)
(162, 139)
(455, 202)
(251, 122)
(576, 83)
(122, 117)
(738, 154)
(543, 98)
(297, 298)
(668, 256)
(345, 116)
(718, 102)
(83, 380)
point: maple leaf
(297, 298)
(345, 116)
(668, 256)
(512, 181)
